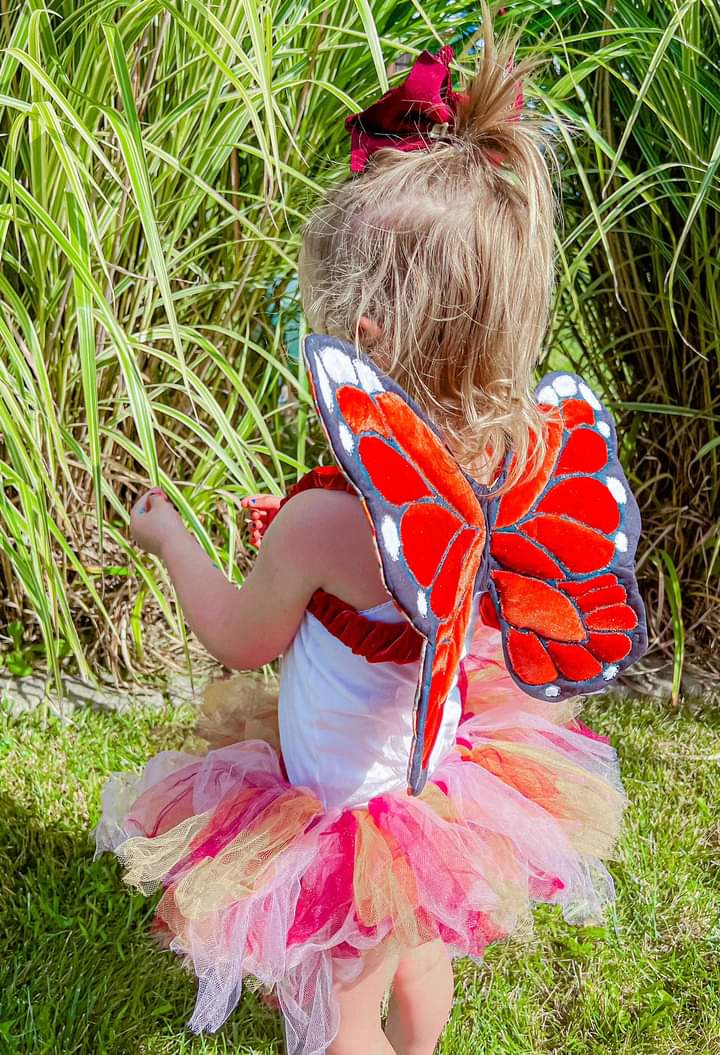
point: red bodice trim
(325, 477)
(376, 642)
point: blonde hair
(451, 255)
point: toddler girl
(316, 868)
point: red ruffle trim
(376, 642)
(326, 477)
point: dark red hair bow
(406, 116)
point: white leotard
(345, 723)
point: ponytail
(449, 250)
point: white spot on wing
(603, 428)
(338, 365)
(548, 395)
(616, 489)
(422, 603)
(346, 438)
(565, 385)
(610, 672)
(325, 390)
(621, 542)
(552, 690)
(368, 378)
(589, 395)
(390, 537)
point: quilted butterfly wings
(428, 522)
(559, 566)
(562, 551)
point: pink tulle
(258, 880)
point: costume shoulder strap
(322, 477)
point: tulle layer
(259, 880)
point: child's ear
(369, 330)
(369, 335)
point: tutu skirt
(260, 880)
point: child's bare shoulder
(330, 530)
(321, 518)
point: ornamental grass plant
(156, 162)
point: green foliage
(80, 976)
(17, 659)
(638, 308)
(156, 162)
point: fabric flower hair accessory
(409, 116)
(416, 113)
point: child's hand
(154, 520)
(262, 512)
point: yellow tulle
(246, 863)
(384, 885)
(242, 707)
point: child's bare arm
(242, 627)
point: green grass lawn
(78, 973)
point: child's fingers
(145, 501)
(259, 510)
(142, 506)
(261, 502)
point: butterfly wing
(562, 584)
(426, 515)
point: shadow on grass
(79, 973)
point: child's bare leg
(421, 999)
(360, 1001)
